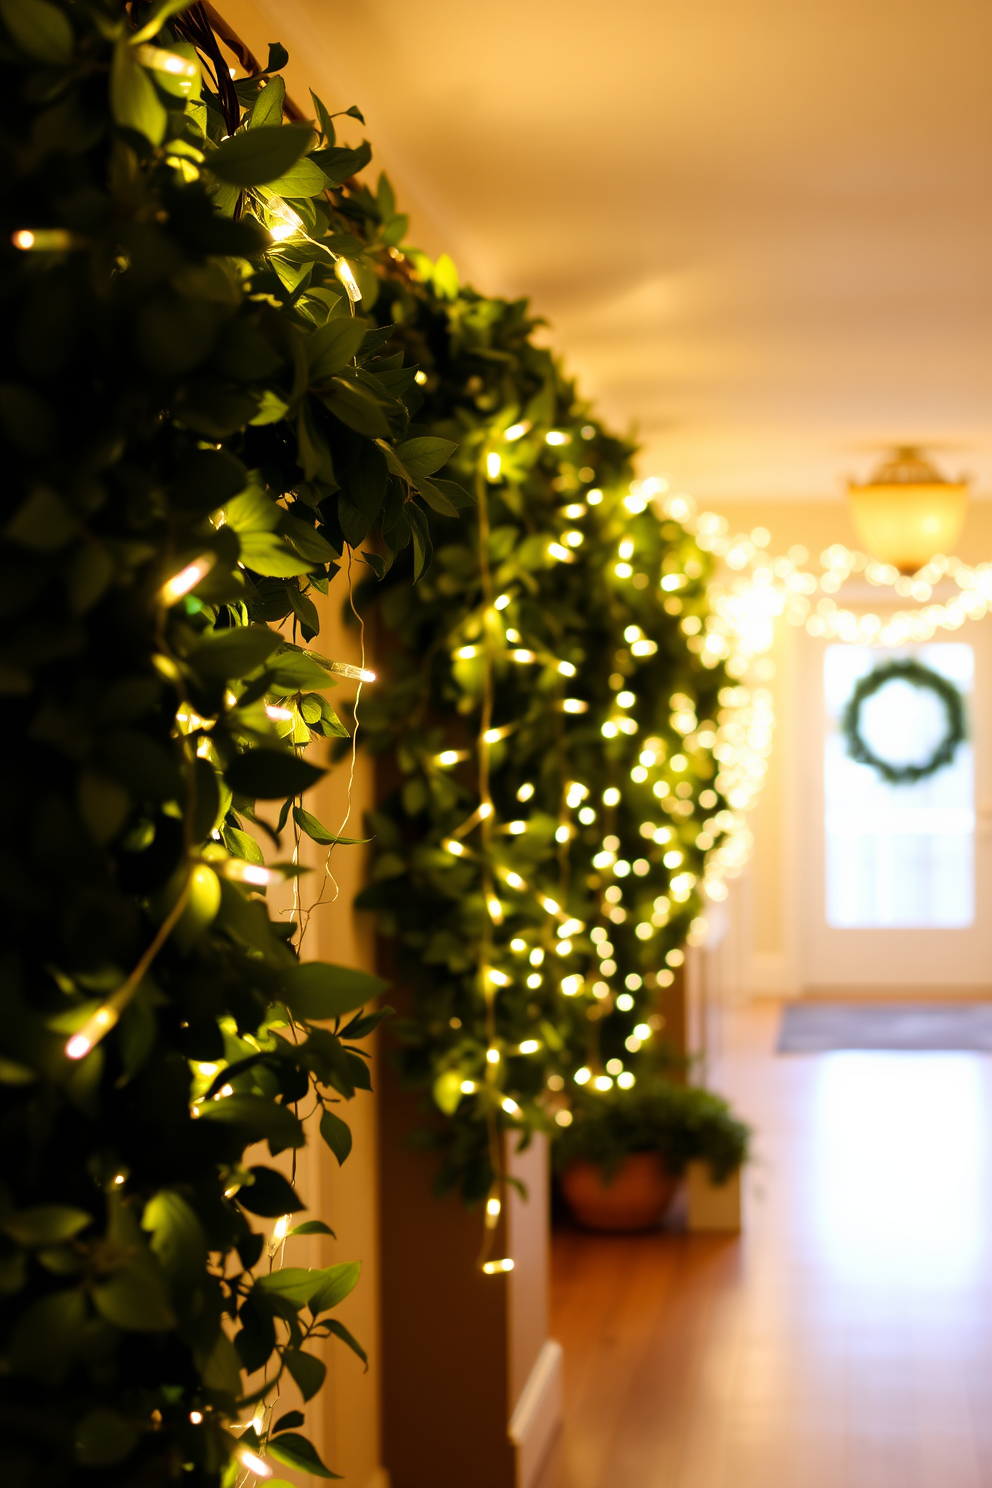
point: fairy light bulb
(254, 1463)
(187, 578)
(494, 464)
(495, 1268)
(344, 272)
(92, 1031)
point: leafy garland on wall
(555, 719)
(194, 414)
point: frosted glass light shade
(907, 512)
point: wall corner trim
(537, 1414)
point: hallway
(844, 1341)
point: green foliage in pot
(682, 1123)
(197, 420)
(553, 720)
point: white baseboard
(537, 1415)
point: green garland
(571, 620)
(918, 675)
(195, 422)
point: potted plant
(620, 1159)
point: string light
(493, 1268)
(254, 1463)
(186, 579)
(344, 272)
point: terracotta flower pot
(638, 1195)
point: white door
(896, 880)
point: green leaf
(332, 1325)
(255, 157)
(316, 990)
(271, 774)
(103, 804)
(339, 1281)
(257, 1116)
(221, 1369)
(177, 1238)
(236, 652)
(296, 1283)
(267, 108)
(41, 30)
(47, 1334)
(207, 479)
(293, 671)
(293, 1450)
(133, 100)
(131, 1300)
(424, 455)
(157, 17)
(302, 180)
(448, 1091)
(308, 823)
(103, 1437)
(270, 1195)
(45, 1224)
(356, 407)
(288, 1421)
(44, 523)
(311, 1227)
(308, 1372)
(265, 553)
(337, 1134)
(334, 345)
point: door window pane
(898, 855)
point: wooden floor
(845, 1341)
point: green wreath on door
(918, 675)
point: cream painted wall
(763, 901)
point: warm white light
(522, 655)
(494, 464)
(196, 1417)
(453, 846)
(239, 871)
(530, 1046)
(498, 978)
(91, 1032)
(493, 1207)
(516, 431)
(344, 272)
(494, 1268)
(516, 827)
(556, 436)
(465, 653)
(254, 1463)
(277, 714)
(566, 669)
(551, 905)
(501, 602)
(186, 579)
(510, 1107)
(450, 756)
(496, 915)
(625, 1002)
(574, 705)
(582, 1075)
(642, 1031)
(492, 1056)
(626, 1080)
(468, 1087)
(564, 1118)
(562, 554)
(603, 1082)
(571, 985)
(525, 792)
(611, 796)
(594, 497)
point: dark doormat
(815, 1027)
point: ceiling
(761, 229)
